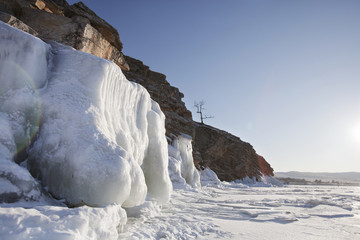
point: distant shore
(302, 181)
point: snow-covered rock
(102, 138)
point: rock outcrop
(265, 167)
(228, 156)
(78, 26)
(74, 25)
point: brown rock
(106, 30)
(13, 21)
(265, 167)
(228, 156)
(74, 25)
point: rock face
(228, 156)
(76, 25)
(265, 167)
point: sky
(283, 75)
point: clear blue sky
(283, 75)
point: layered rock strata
(74, 25)
(227, 155)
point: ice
(271, 180)
(237, 211)
(23, 60)
(100, 134)
(181, 163)
(208, 177)
(50, 222)
(23, 69)
(102, 138)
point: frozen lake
(225, 211)
(235, 211)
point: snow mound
(265, 181)
(272, 181)
(101, 140)
(50, 222)
(181, 164)
(209, 178)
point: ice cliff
(95, 137)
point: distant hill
(323, 176)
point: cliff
(228, 156)
(74, 25)
(78, 26)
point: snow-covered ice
(181, 164)
(237, 211)
(225, 211)
(55, 222)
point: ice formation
(19, 108)
(181, 163)
(209, 178)
(53, 222)
(101, 140)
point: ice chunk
(209, 178)
(17, 183)
(272, 181)
(23, 69)
(51, 222)
(181, 163)
(21, 55)
(155, 164)
(98, 131)
(102, 138)
(175, 168)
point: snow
(226, 211)
(101, 142)
(52, 222)
(209, 177)
(237, 211)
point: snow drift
(101, 139)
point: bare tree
(200, 107)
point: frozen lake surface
(236, 211)
(223, 211)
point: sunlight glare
(356, 132)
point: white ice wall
(181, 163)
(102, 139)
(19, 107)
